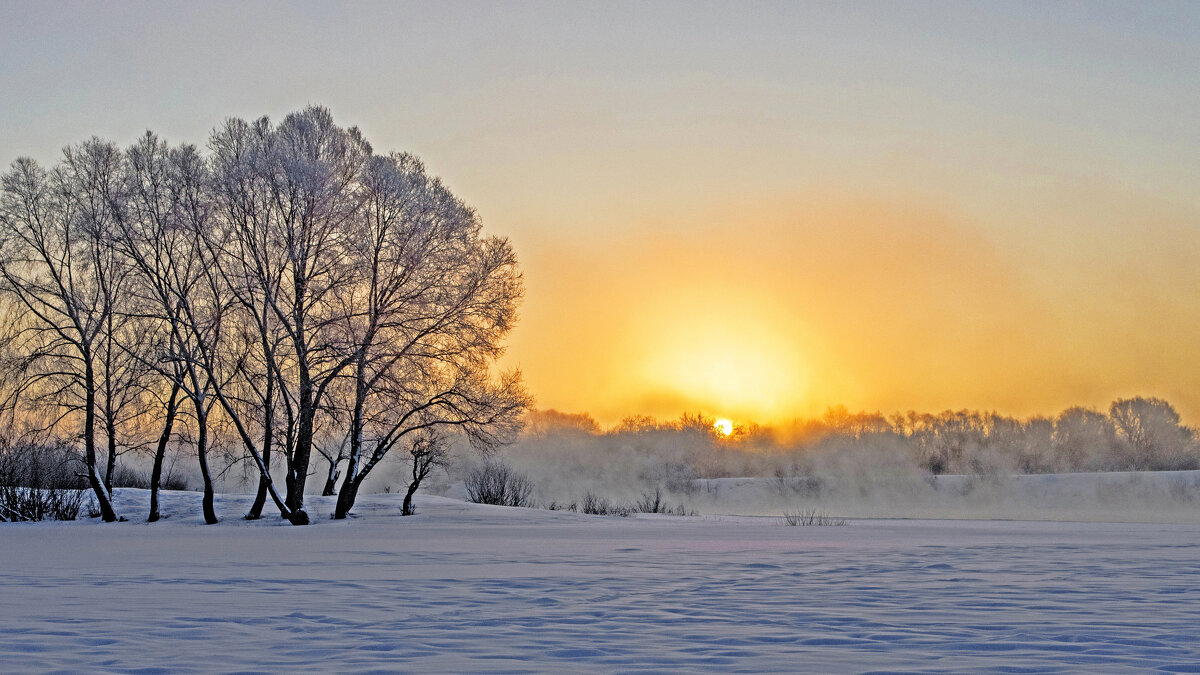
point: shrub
(125, 476)
(174, 482)
(599, 506)
(33, 504)
(810, 517)
(653, 502)
(650, 502)
(36, 483)
(54, 465)
(494, 482)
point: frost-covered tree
(291, 199)
(166, 237)
(1082, 439)
(57, 266)
(288, 286)
(1152, 435)
(434, 308)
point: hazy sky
(753, 209)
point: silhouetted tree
(332, 460)
(164, 239)
(57, 265)
(426, 451)
(285, 251)
(437, 300)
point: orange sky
(784, 307)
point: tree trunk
(298, 472)
(110, 430)
(346, 497)
(298, 467)
(350, 485)
(406, 509)
(89, 442)
(110, 418)
(210, 514)
(331, 480)
(260, 498)
(160, 452)
(248, 442)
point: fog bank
(950, 465)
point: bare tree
(290, 195)
(1082, 438)
(93, 175)
(1153, 434)
(168, 240)
(253, 275)
(431, 314)
(56, 264)
(426, 451)
(332, 460)
(173, 295)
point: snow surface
(465, 588)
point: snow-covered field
(463, 588)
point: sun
(723, 427)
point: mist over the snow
(1135, 462)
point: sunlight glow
(749, 361)
(723, 427)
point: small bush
(650, 502)
(125, 476)
(37, 483)
(30, 464)
(599, 506)
(174, 482)
(32, 504)
(494, 482)
(804, 486)
(653, 502)
(810, 517)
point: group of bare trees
(1136, 434)
(1132, 434)
(289, 291)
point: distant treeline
(1134, 434)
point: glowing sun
(723, 427)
